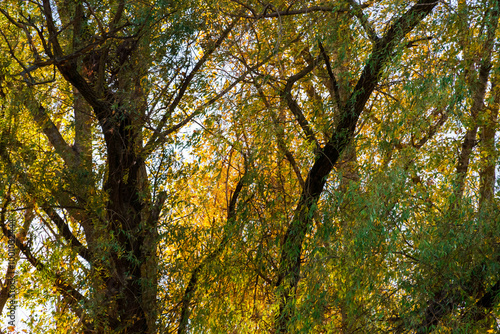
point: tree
(252, 167)
(102, 87)
(380, 247)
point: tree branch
(187, 81)
(47, 10)
(290, 257)
(363, 19)
(280, 137)
(479, 90)
(432, 129)
(335, 85)
(70, 156)
(158, 135)
(67, 234)
(288, 12)
(286, 95)
(74, 298)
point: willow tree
(368, 202)
(337, 172)
(291, 122)
(92, 92)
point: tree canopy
(250, 166)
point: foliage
(249, 167)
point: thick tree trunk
(129, 270)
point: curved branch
(159, 135)
(67, 234)
(280, 137)
(335, 85)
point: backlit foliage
(251, 167)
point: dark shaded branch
(158, 205)
(280, 135)
(65, 202)
(11, 267)
(11, 19)
(288, 12)
(432, 317)
(487, 173)
(67, 234)
(286, 95)
(101, 108)
(51, 27)
(73, 297)
(432, 129)
(415, 42)
(41, 63)
(479, 91)
(118, 14)
(9, 275)
(486, 303)
(290, 257)
(335, 85)
(301, 119)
